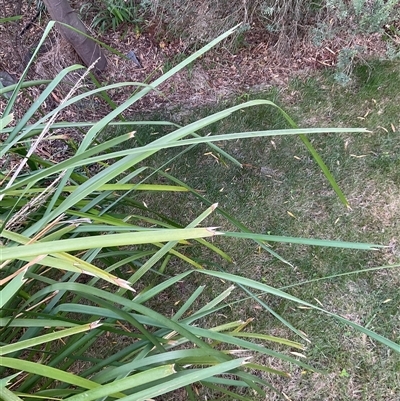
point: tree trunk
(88, 50)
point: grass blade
(124, 384)
(8, 395)
(99, 241)
(12, 288)
(187, 379)
(263, 287)
(48, 372)
(305, 241)
(20, 345)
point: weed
(112, 13)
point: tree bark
(88, 50)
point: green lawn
(280, 190)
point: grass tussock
(149, 261)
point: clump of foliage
(285, 19)
(348, 19)
(84, 264)
(110, 14)
(367, 16)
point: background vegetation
(287, 24)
